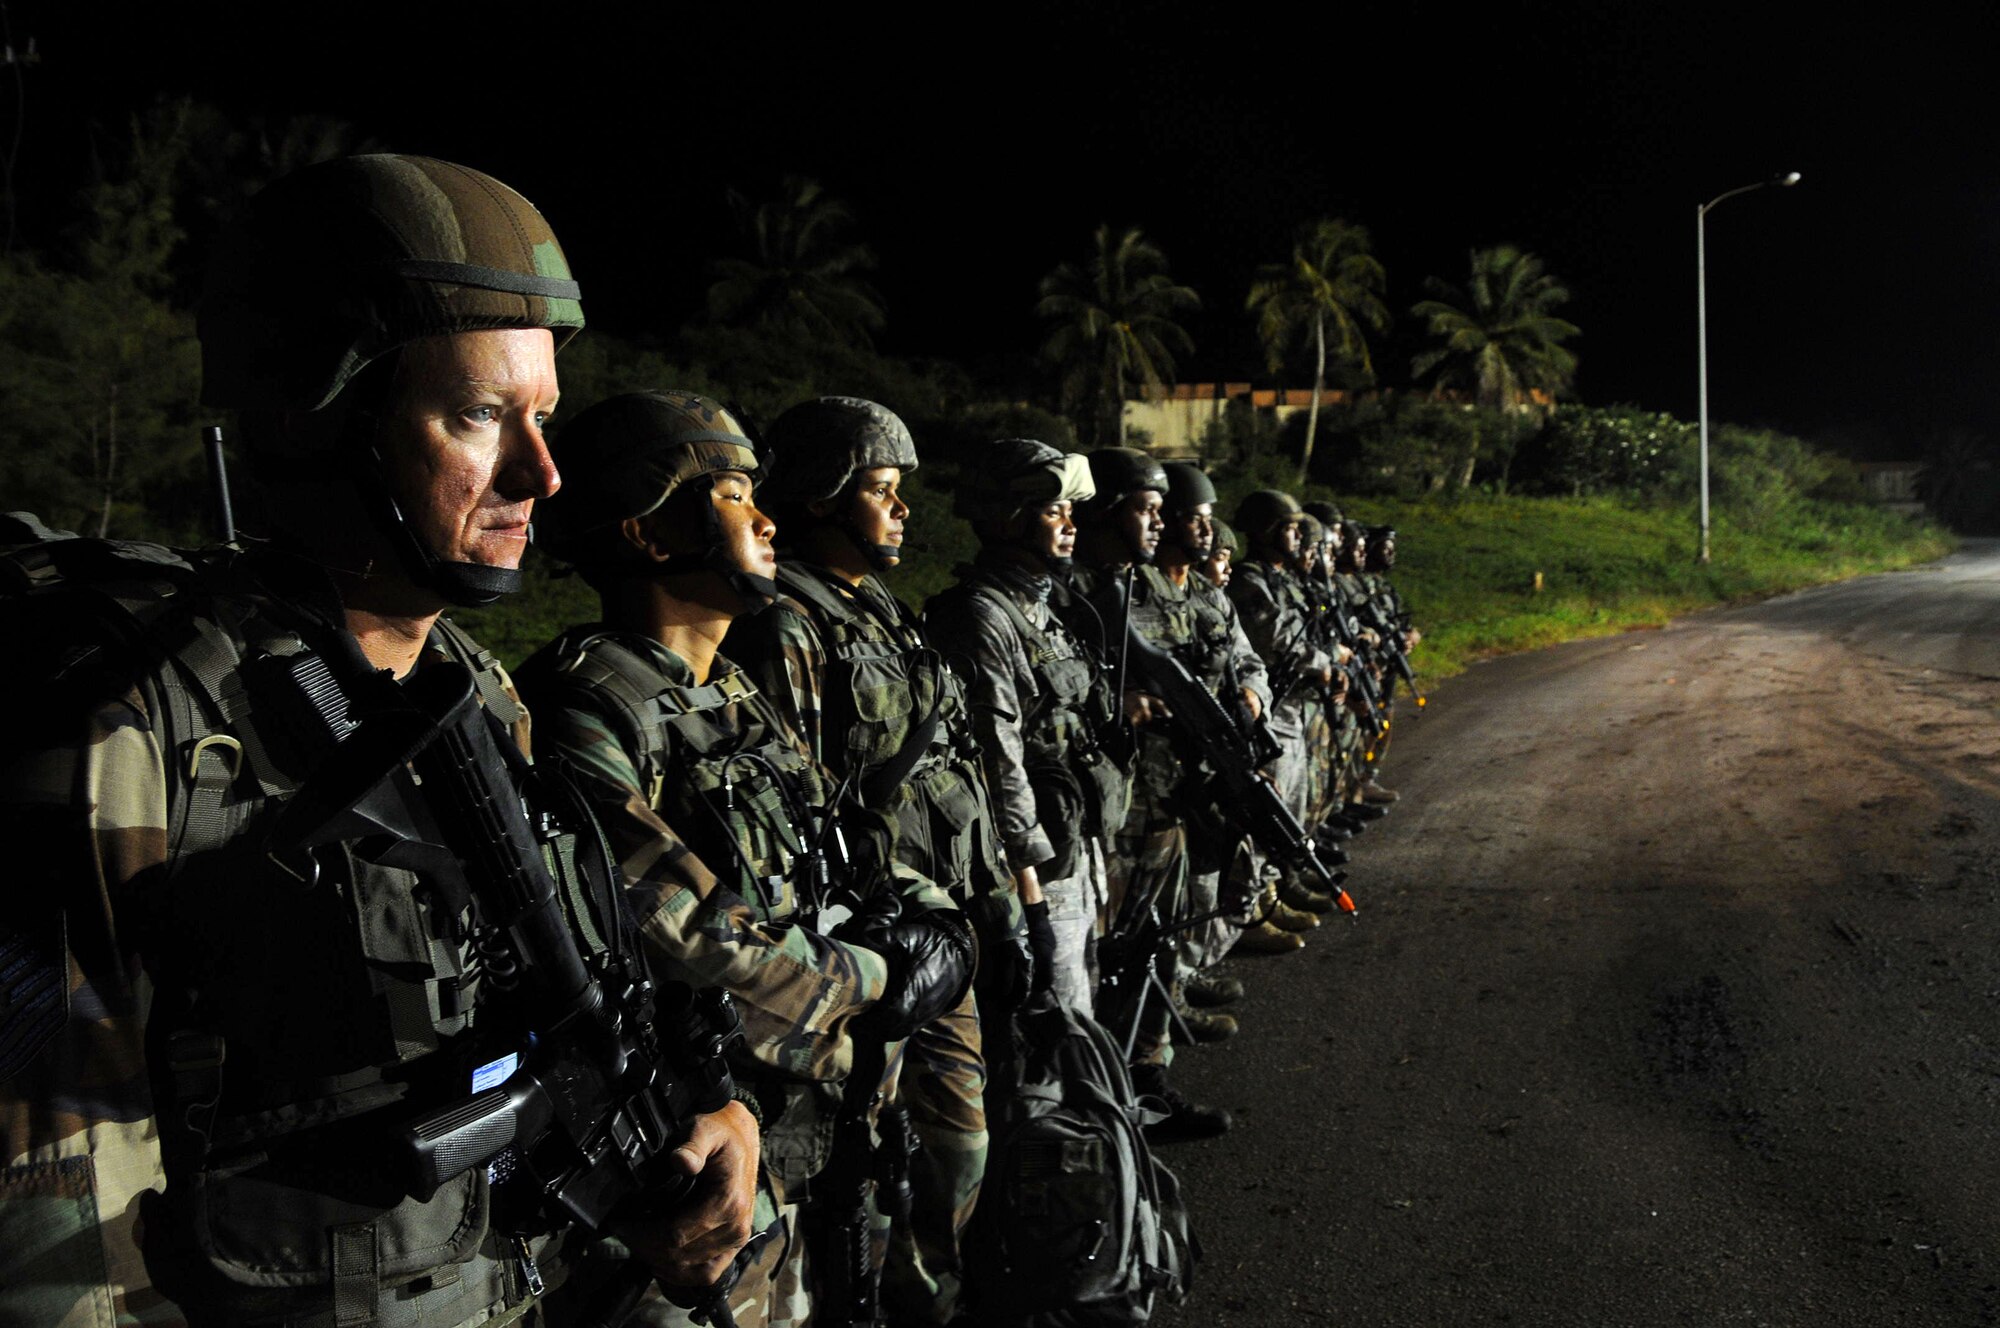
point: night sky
(980, 145)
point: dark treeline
(1456, 392)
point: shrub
(1616, 449)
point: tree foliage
(1112, 327)
(805, 276)
(1498, 337)
(1325, 298)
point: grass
(1467, 566)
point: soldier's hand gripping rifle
(1245, 798)
(1394, 652)
(586, 1113)
(1364, 693)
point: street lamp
(1786, 180)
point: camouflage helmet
(1311, 532)
(1381, 540)
(337, 264)
(818, 446)
(1006, 476)
(1119, 472)
(1325, 513)
(1226, 539)
(1260, 511)
(1188, 486)
(623, 457)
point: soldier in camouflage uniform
(854, 671)
(210, 1035)
(712, 799)
(1347, 756)
(1220, 555)
(1118, 535)
(1220, 657)
(1039, 696)
(1378, 559)
(1277, 618)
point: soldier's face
(1050, 531)
(463, 441)
(746, 532)
(1285, 540)
(1217, 566)
(1138, 520)
(876, 510)
(1194, 530)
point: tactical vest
(1078, 788)
(716, 763)
(886, 691)
(305, 1003)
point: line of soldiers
(248, 955)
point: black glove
(1042, 944)
(1007, 967)
(931, 959)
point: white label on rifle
(495, 1072)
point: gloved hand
(1042, 945)
(1007, 968)
(931, 959)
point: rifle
(1396, 655)
(609, 1069)
(1129, 957)
(1245, 798)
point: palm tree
(1499, 336)
(1114, 326)
(1330, 288)
(804, 275)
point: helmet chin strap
(467, 585)
(881, 557)
(756, 592)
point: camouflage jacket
(1222, 648)
(1277, 618)
(1036, 693)
(129, 960)
(713, 803)
(718, 909)
(1163, 614)
(851, 668)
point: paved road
(1673, 999)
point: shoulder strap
(643, 702)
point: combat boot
(1185, 1120)
(1264, 938)
(1289, 918)
(1204, 1026)
(1304, 898)
(1371, 792)
(1210, 988)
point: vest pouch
(272, 1224)
(798, 1134)
(1109, 793)
(885, 707)
(1064, 809)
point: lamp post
(1786, 180)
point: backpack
(1078, 1225)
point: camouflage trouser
(1074, 904)
(1206, 944)
(1290, 725)
(941, 1076)
(1147, 867)
(1316, 754)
